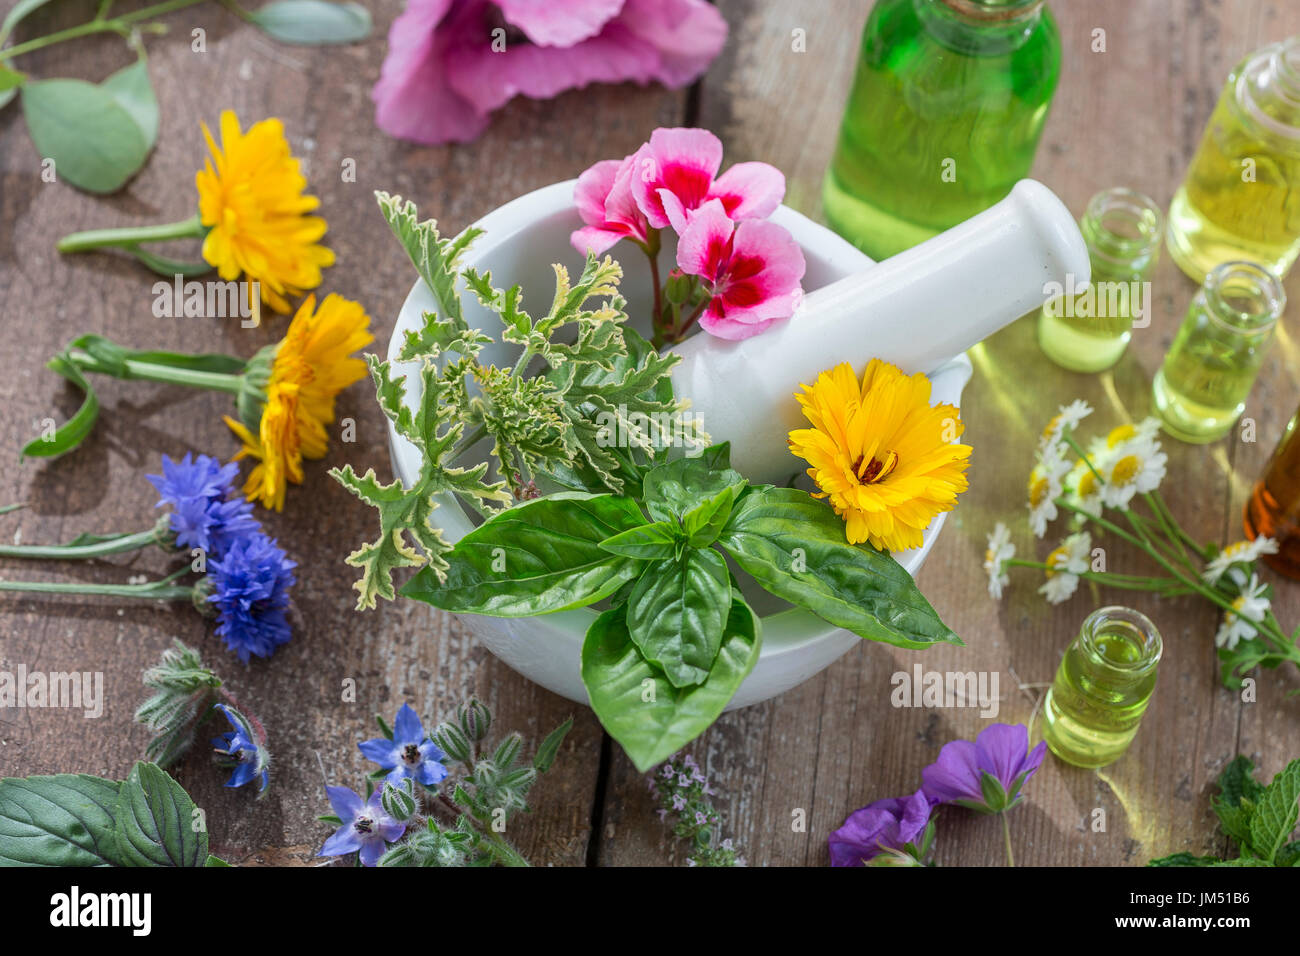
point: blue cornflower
(250, 587)
(409, 754)
(365, 828)
(206, 511)
(239, 749)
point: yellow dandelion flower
(881, 454)
(251, 198)
(311, 365)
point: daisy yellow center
(1238, 603)
(1234, 549)
(1038, 488)
(1051, 560)
(1125, 470)
(1121, 434)
(1052, 426)
(1087, 484)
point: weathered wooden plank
(399, 652)
(1130, 116)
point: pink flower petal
(750, 190)
(413, 99)
(594, 239)
(683, 161)
(687, 33)
(782, 261)
(559, 22)
(604, 201)
(725, 327)
(592, 188)
(705, 244)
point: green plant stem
(120, 25)
(1198, 549)
(126, 237)
(167, 374)
(149, 592)
(465, 444)
(1006, 838)
(126, 542)
(1167, 525)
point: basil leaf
(74, 431)
(95, 141)
(649, 542)
(60, 820)
(676, 487)
(649, 717)
(676, 614)
(154, 821)
(794, 546)
(705, 522)
(540, 556)
(1276, 813)
(312, 22)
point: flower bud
(475, 719)
(398, 802)
(679, 287)
(453, 741)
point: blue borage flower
(250, 588)
(366, 828)
(410, 754)
(239, 749)
(207, 512)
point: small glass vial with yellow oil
(1201, 389)
(1102, 687)
(1088, 331)
(1239, 199)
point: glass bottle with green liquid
(1209, 370)
(1089, 331)
(944, 116)
(1240, 198)
(1102, 688)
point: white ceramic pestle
(916, 309)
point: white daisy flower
(1064, 565)
(999, 552)
(1239, 552)
(1249, 608)
(1044, 488)
(1066, 419)
(1083, 488)
(1136, 466)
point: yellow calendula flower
(251, 198)
(310, 366)
(881, 453)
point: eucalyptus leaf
(313, 22)
(95, 141)
(649, 717)
(676, 614)
(60, 820)
(131, 88)
(540, 556)
(10, 80)
(154, 821)
(794, 546)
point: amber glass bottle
(1274, 505)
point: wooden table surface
(1128, 116)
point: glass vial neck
(1268, 88)
(980, 27)
(1122, 641)
(1243, 297)
(1122, 227)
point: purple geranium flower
(239, 749)
(409, 754)
(985, 775)
(888, 824)
(206, 511)
(366, 827)
(250, 587)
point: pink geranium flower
(604, 200)
(451, 62)
(677, 172)
(751, 270)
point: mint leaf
(1275, 813)
(1235, 803)
(154, 821)
(1185, 859)
(60, 820)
